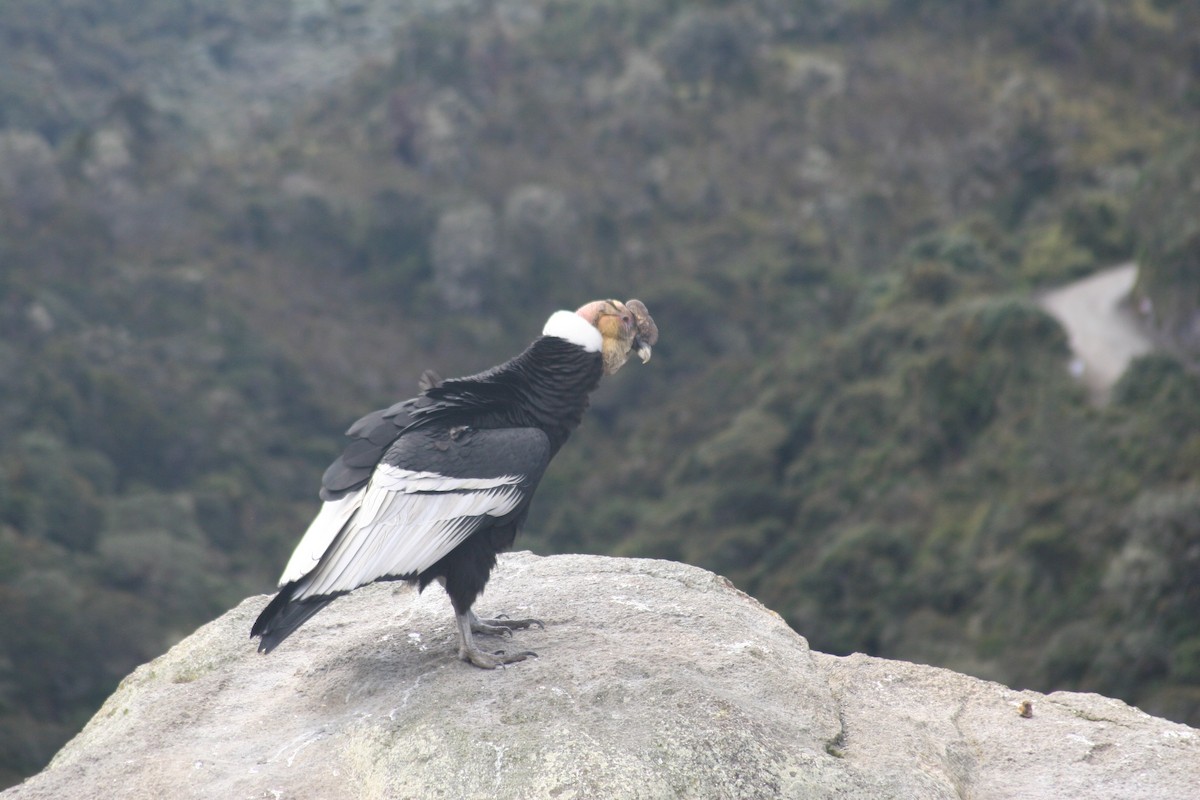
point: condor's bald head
(624, 328)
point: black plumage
(434, 487)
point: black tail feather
(282, 616)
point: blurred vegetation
(1168, 237)
(837, 212)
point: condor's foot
(501, 625)
(499, 658)
(467, 650)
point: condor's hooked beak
(647, 331)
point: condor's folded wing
(432, 490)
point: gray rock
(655, 680)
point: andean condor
(434, 487)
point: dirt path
(1104, 334)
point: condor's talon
(493, 660)
(468, 624)
(519, 624)
(501, 625)
(511, 658)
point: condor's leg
(461, 598)
(467, 650)
(501, 625)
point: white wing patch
(396, 479)
(321, 532)
(401, 523)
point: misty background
(227, 230)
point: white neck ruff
(575, 329)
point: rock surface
(655, 680)
(1105, 335)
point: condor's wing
(429, 493)
(370, 437)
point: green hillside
(226, 232)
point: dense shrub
(1167, 236)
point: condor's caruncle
(434, 487)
